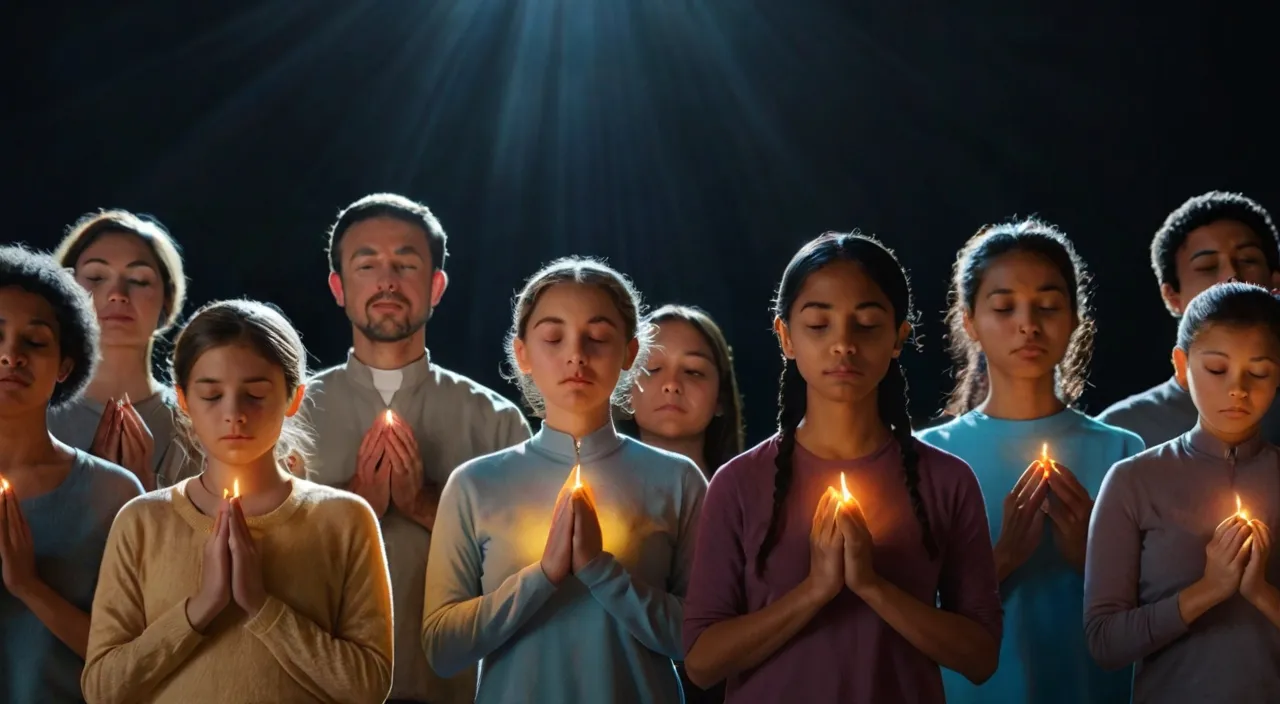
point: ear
(904, 331)
(969, 331)
(633, 350)
(335, 287)
(64, 370)
(298, 393)
(1171, 298)
(1180, 367)
(783, 332)
(521, 352)
(182, 399)
(439, 282)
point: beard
(390, 328)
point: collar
(415, 372)
(1203, 442)
(559, 446)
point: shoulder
(325, 377)
(752, 465)
(942, 466)
(491, 466)
(657, 460)
(1101, 429)
(107, 480)
(146, 511)
(945, 433)
(330, 504)
(1135, 404)
(477, 396)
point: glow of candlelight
(577, 476)
(845, 496)
(387, 416)
(236, 487)
(4, 484)
(1243, 514)
(1045, 462)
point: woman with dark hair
(56, 503)
(687, 399)
(1022, 334)
(892, 577)
(1180, 579)
(132, 269)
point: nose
(234, 413)
(1029, 323)
(1239, 389)
(672, 386)
(845, 343)
(118, 292)
(1229, 271)
(577, 352)
(10, 356)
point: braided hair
(883, 268)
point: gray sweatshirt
(1154, 516)
(1165, 411)
(454, 419)
(75, 425)
(609, 632)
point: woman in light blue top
(1022, 335)
(56, 502)
(567, 585)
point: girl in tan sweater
(244, 583)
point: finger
(820, 515)
(1059, 514)
(402, 431)
(1036, 497)
(4, 522)
(104, 425)
(1068, 487)
(1242, 552)
(217, 521)
(1242, 533)
(1032, 469)
(12, 529)
(399, 451)
(1222, 528)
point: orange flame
(845, 496)
(1045, 462)
(387, 416)
(577, 476)
(236, 486)
(1243, 514)
(4, 484)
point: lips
(1030, 351)
(234, 438)
(669, 408)
(15, 380)
(843, 372)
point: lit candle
(1045, 462)
(387, 416)
(577, 476)
(236, 487)
(4, 484)
(1243, 514)
(845, 496)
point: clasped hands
(1236, 559)
(1026, 506)
(122, 438)
(840, 546)
(574, 538)
(231, 570)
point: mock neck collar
(414, 372)
(1204, 442)
(560, 446)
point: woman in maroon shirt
(841, 605)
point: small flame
(1045, 462)
(845, 496)
(387, 416)
(236, 488)
(4, 484)
(1243, 514)
(577, 476)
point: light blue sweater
(610, 632)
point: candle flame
(1243, 514)
(4, 484)
(845, 496)
(577, 476)
(1045, 462)
(236, 487)
(387, 416)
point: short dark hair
(39, 274)
(388, 205)
(92, 226)
(1206, 209)
(1232, 303)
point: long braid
(792, 392)
(891, 397)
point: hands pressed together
(17, 553)
(1050, 490)
(122, 438)
(231, 571)
(574, 538)
(840, 548)
(389, 473)
(1236, 560)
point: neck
(692, 447)
(1231, 439)
(25, 442)
(389, 355)
(1021, 399)
(576, 424)
(842, 431)
(123, 371)
(255, 477)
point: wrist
(1261, 595)
(27, 591)
(200, 613)
(814, 594)
(872, 592)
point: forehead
(20, 307)
(385, 233)
(680, 337)
(1220, 236)
(1021, 271)
(842, 285)
(573, 301)
(1242, 341)
(118, 248)
(233, 362)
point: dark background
(695, 145)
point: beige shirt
(454, 419)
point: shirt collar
(560, 446)
(415, 372)
(1205, 443)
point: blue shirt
(69, 527)
(1043, 656)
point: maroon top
(847, 653)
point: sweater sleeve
(1117, 629)
(127, 656)
(967, 584)
(352, 664)
(651, 614)
(460, 624)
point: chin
(580, 401)
(238, 456)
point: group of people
(390, 530)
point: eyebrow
(1047, 288)
(254, 380)
(371, 252)
(1216, 353)
(821, 305)
(130, 265)
(553, 320)
(1212, 252)
(37, 322)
